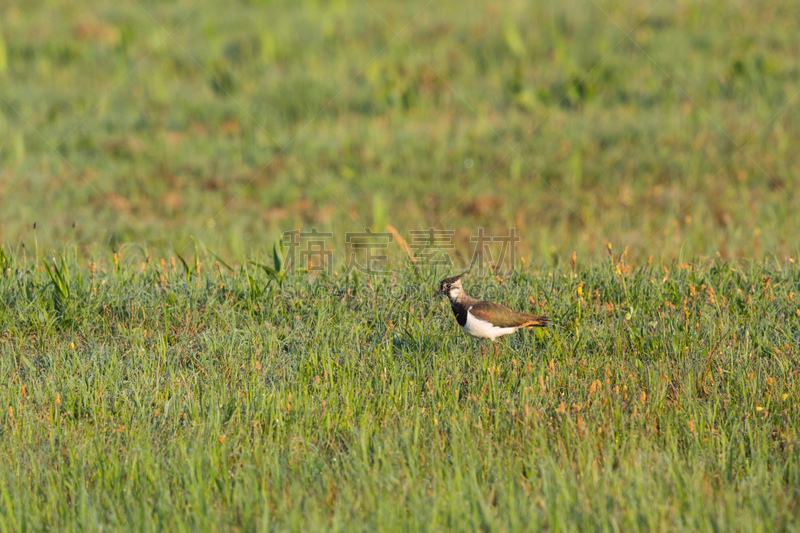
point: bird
(481, 319)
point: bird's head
(451, 287)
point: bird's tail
(536, 321)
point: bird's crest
(448, 281)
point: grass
(665, 399)
(158, 375)
(152, 122)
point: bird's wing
(503, 317)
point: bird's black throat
(460, 311)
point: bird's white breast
(476, 327)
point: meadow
(162, 367)
(148, 399)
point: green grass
(192, 395)
(138, 398)
(266, 116)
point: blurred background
(668, 127)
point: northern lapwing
(484, 320)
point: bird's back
(502, 316)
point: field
(164, 366)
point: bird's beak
(439, 292)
